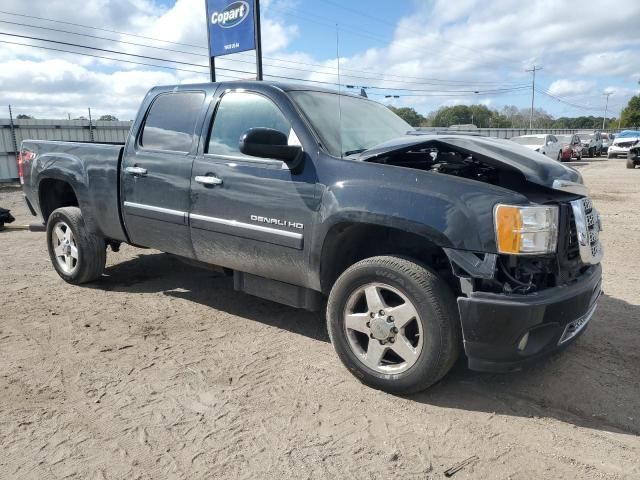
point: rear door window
(171, 121)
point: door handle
(208, 180)
(136, 171)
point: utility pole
(533, 92)
(606, 105)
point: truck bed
(92, 169)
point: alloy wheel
(383, 328)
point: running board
(285, 293)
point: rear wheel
(77, 255)
(394, 324)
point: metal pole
(258, 34)
(212, 61)
(606, 105)
(533, 92)
(90, 125)
(13, 132)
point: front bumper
(615, 150)
(494, 325)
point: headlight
(526, 230)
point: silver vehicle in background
(591, 143)
(543, 143)
(607, 140)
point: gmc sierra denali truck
(415, 245)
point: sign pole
(233, 27)
(212, 61)
(256, 13)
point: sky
(428, 54)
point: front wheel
(77, 255)
(394, 324)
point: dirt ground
(161, 370)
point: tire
(631, 163)
(559, 157)
(66, 234)
(433, 333)
(610, 156)
(590, 154)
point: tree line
(509, 116)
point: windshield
(528, 140)
(363, 123)
(564, 138)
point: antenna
(339, 91)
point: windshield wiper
(353, 152)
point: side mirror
(269, 143)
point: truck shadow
(593, 384)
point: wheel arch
(54, 193)
(348, 242)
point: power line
(426, 80)
(574, 105)
(108, 58)
(146, 57)
(386, 22)
(101, 29)
(101, 38)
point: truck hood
(536, 168)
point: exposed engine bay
(511, 274)
(442, 158)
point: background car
(591, 143)
(607, 139)
(546, 144)
(623, 143)
(571, 147)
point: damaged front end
(538, 289)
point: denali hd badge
(232, 15)
(276, 221)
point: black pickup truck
(417, 245)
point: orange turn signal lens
(508, 221)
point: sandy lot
(161, 370)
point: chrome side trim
(246, 226)
(151, 208)
(573, 328)
(571, 187)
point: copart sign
(231, 26)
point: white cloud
(443, 46)
(571, 87)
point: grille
(572, 249)
(586, 222)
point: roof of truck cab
(284, 86)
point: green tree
(108, 118)
(409, 115)
(22, 116)
(630, 116)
